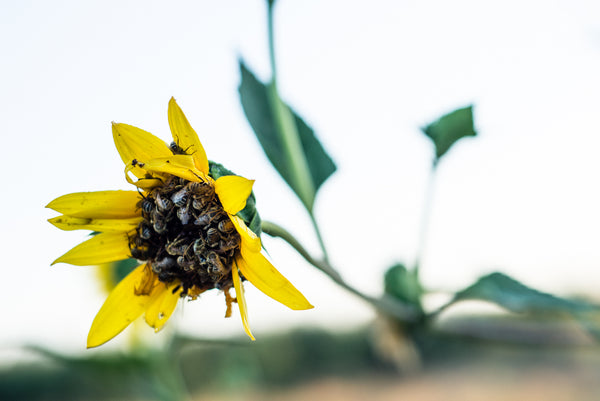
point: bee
(146, 204)
(195, 186)
(216, 268)
(178, 150)
(144, 231)
(198, 246)
(180, 198)
(179, 246)
(162, 203)
(229, 244)
(140, 253)
(184, 215)
(226, 226)
(185, 263)
(164, 264)
(159, 225)
(205, 219)
(212, 237)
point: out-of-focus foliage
(450, 128)
(517, 297)
(403, 284)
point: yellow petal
(121, 308)
(241, 300)
(185, 137)
(233, 191)
(101, 248)
(99, 205)
(162, 307)
(260, 272)
(69, 223)
(178, 165)
(134, 143)
(249, 239)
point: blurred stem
(319, 237)
(386, 304)
(425, 215)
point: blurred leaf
(122, 268)
(449, 129)
(516, 297)
(259, 111)
(403, 285)
(249, 213)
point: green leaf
(403, 285)
(262, 112)
(249, 213)
(516, 297)
(449, 129)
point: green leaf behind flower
(262, 114)
(516, 297)
(449, 129)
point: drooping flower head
(187, 223)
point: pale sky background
(521, 198)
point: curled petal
(98, 205)
(162, 306)
(69, 223)
(101, 248)
(241, 299)
(185, 137)
(134, 143)
(177, 165)
(233, 191)
(121, 308)
(249, 239)
(260, 272)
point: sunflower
(183, 223)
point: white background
(522, 197)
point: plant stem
(319, 237)
(425, 215)
(386, 304)
(287, 128)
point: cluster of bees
(186, 235)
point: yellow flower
(181, 223)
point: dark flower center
(187, 236)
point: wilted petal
(260, 272)
(241, 299)
(134, 143)
(69, 223)
(233, 191)
(121, 308)
(249, 239)
(162, 306)
(98, 205)
(177, 165)
(101, 248)
(185, 137)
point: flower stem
(319, 237)
(385, 304)
(425, 215)
(287, 129)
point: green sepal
(249, 213)
(257, 102)
(450, 128)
